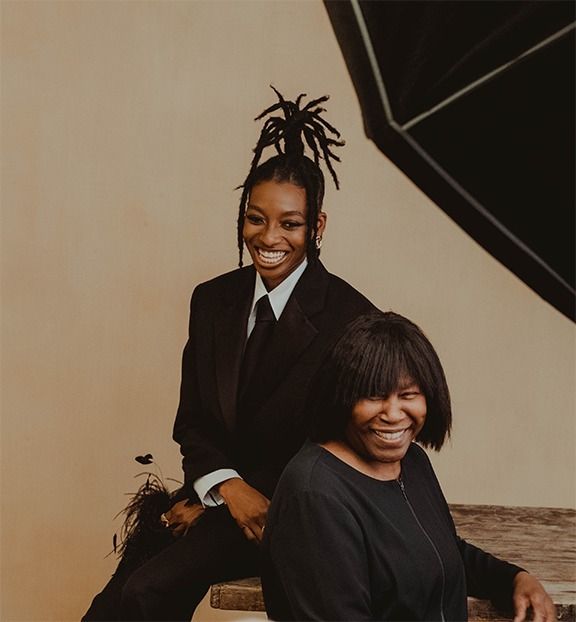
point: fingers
(529, 593)
(181, 517)
(258, 531)
(178, 530)
(249, 533)
(176, 509)
(543, 608)
(542, 611)
(520, 607)
(256, 528)
(551, 614)
(253, 531)
(247, 506)
(185, 513)
(193, 513)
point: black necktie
(260, 335)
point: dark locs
(289, 134)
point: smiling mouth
(270, 258)
(390, 436)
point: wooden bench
(541, 540)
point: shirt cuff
(205, 486)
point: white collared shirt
(205, 486)
(278, 296)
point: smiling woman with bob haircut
(379, 355)
(358, 528)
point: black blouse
(340, 545)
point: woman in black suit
(256, 337)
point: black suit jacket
(211, 431)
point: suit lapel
(229, 339)
(293, 332)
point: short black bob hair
(374, 357)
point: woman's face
(381, 429)
(274, 229)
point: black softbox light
(474, 101)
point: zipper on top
(401, 484)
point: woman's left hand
(183, 515)
(528, 592)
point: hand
(247, 506)
(183, 515)
(528, 591)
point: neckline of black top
(339, 465)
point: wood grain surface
(540, 540)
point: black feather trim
(142, 534)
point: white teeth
(271, 257)
(389, 436)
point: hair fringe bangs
(375, 371)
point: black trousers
(170, 586)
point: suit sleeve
(320, 560)
(200, 435)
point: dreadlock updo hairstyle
(289, 134)
(375, 355)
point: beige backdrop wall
(125, 128)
